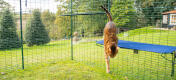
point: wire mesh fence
(55, 31)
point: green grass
(144, 30)
(10, 59)
(149, 35)
(86, 54)
(66, 70)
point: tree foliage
(48, 19)
(85, 25)
(62, 28)
(36, 33)
(153, 9)
(92, 25)
(137, 13)
(4, 4)
(8, 35)
(124, 13)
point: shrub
(36, 33)
(8, 35)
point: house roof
(169, 12)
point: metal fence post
(21, 35)
(173, 63)
(109, 5)
(71, 33)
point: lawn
(65, 70)
(87, 55)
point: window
(165, 19)
(173, 19)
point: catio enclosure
(70, 30)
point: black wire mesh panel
(143, 22)
(9, 38)
(149, 28)
(70, 29)
(138, 21)
(39, 29)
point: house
(169, 19)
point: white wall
(165, 19)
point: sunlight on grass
(70, 70)
(145, 65)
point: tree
(4, 4)
(48, 19)
(153, 9)
(36, 33)
(8, 35)
(124, 13)
(62, 28)
(89, 25)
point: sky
(34, 4)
